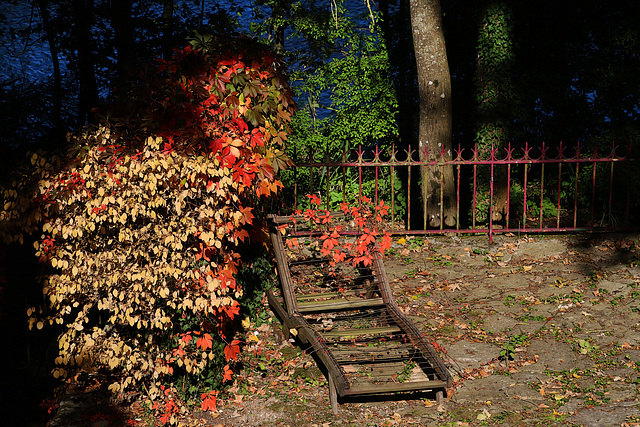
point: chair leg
(333, 396)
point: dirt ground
(537, 331)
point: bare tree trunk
(167, 28)
(83, 16)
(123, 37)
(435, 126)
(55, 61)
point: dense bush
(144, 220)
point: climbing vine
(144, 220)
(364, 224)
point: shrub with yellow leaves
(145, 234)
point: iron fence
(548, 189)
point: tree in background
(496, 97)
(435, 125)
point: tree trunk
(123, 37)
(167, 28)
(278, 23)
(55, 61)
(88, 98)
(435, 125)
(496, 94)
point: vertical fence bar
(508, 194)
(441, 197)
(593, 192)
(328, 188)
(327, 160)
(295, 189)
(311, 181)
(424, 203)
(360, 176)
(295, 180)
(475, 177)
(376, 160)
(491, 202)
(524, 205)
(559, 191)
(575, 198)
(458, 200)
(408, 225)
(541, 194)
(611, 193)
(344, 177)
(392, 178)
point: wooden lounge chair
(348, 317)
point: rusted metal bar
(374, 165)
(475, 195)
(524, 206)
(541, 213)
(559, 194)
(458, 199)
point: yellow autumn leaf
(246, 322)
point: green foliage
(340, 74)
(508, 351)
(256, 276)
(495, 92)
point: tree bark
(496, 94)
(123, 37)
(167, 28)
(88, 98)
(55, 61)
(435, 124)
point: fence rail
(548, 189)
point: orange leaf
(314, 199)
(228, 374)
(386, 242)
(231, 350)
(186, 338)
(247, 215)
(209, 401)
(204, 342)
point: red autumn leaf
(231, 350)
(247, 215)
(186, 338)
(204, 342)
(241, 234)
(228, 374)
(232, 310)
(329, 244)
(209, 401)
(314, 199)
(386, 242)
